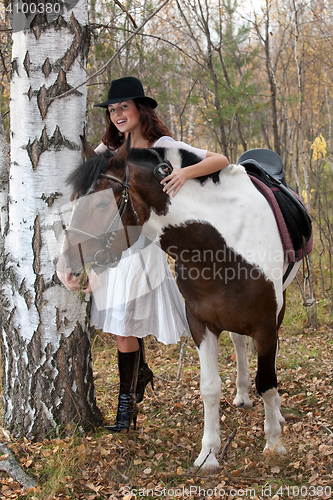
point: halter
(105, 256)
(164, 167)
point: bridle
(106, 257)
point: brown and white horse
(229, 263)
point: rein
(105, 256)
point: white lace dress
(140, 296)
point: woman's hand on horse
(173, 182)
(212, 163)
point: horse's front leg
(243, 381)
(210, 389)
(266, 383)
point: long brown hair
(152, 127)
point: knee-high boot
(128, 363)
(145, 374)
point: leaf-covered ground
(156, 460)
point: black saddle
(267, 166)
(267, 161)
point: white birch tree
(46, 343)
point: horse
(229, 263)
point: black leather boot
(145, 374)
(128, 363)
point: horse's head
(104, 221)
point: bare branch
(181, 355)
(227, 444)
(126, 12)
(103, 68)
(196, 472)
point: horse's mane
(86, 175)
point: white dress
(140, 296)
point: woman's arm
(101, 148)
(212, 163)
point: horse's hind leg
(210, 388)
(266, 383)
(243, 381)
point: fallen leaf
(313, 478)
(326, 449)
(91, 486)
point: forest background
(227, 78)
(231, 77)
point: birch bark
(46, 341)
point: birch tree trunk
(46, 341)
(4, 178)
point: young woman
(140, 297)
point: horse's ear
(121, 156)
(88, 151)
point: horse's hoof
(209, 469)
(243, 402)
(208, 464)
(277, 448)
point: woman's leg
(145, 375)
(128, 364)
(127, 344)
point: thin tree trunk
(311, 307)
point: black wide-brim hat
(125, 89)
